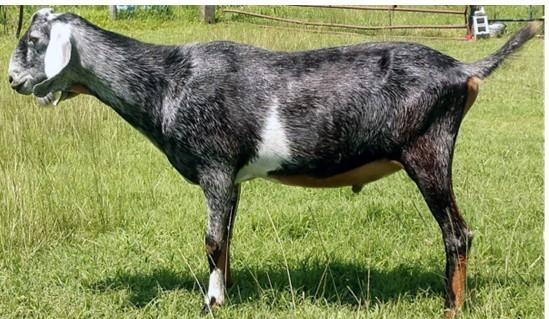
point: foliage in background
(142, 17)
(146, 12)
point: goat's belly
(357, 176)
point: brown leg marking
(458, 281)
(218, 257)
(457, 287)
(224, 264)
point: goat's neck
(126, 75)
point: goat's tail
(484, 67)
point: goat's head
(39, 63)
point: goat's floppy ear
(58, 53)
(57, 58)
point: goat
(224, 113)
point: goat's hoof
(357, 188)
(209, 307)
(206, 310)
(450, 313)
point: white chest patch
(274, 148)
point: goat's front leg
(222, 201)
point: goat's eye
(33, 40)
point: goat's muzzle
(17, 86)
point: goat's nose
(10, 78)
(16, 86)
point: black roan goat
(224, 113)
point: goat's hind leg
(428, 162)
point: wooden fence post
(112, 12)
(208, 14)
(19, 22)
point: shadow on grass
(143, 288)
(336, 283)
(339, 283)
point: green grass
(94, 222)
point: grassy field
(94, 222)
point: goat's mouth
(54, 98)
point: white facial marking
(216, 287)
(274, 148)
